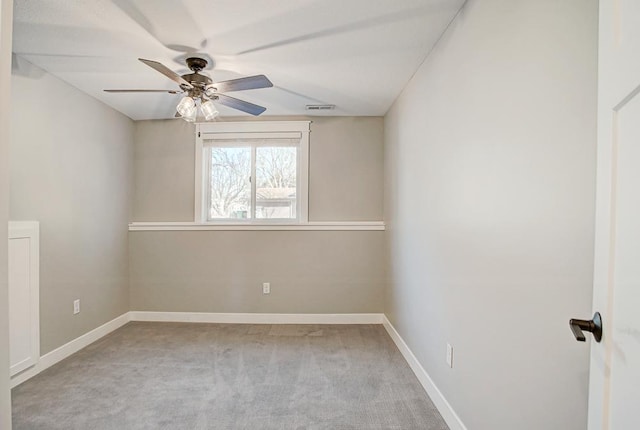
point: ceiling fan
(199, 87)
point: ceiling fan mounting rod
(196, 64)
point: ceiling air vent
(321, 107)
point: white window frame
(253, 130)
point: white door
(614, 386)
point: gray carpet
(229, 376)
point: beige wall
(71, 169)
(223, 271)
(490, 171)
(345, 169)
(6, 14)
(164, 154)
(310, 272)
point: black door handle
(594, 326)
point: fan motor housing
(197, 80)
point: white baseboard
(254, 318)
(69, 348)
(451, 418)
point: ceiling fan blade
(239, 104)
(248, 83)
(166, 71)
(143, 91)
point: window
(251, 179)
(252, 172)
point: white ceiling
(355, 54)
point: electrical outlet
(450, 355)
(76, 306)
(266, 288)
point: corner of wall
(6, 18)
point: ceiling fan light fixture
(209, 110)
(186, 106)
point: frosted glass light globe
(190, 116)
(209, 110)
(186, 105)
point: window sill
(311, 226)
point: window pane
(276, 182)
(230, 183)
